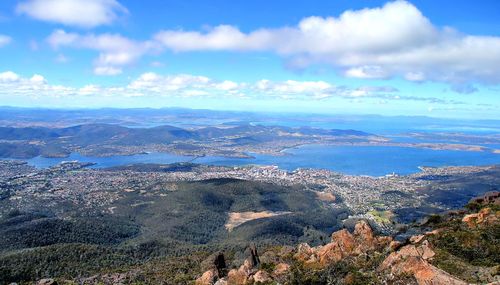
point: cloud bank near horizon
(153, 85)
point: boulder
(342, 245)
(236, 277)
(413, 259)
(242, 275)
(416, 238)
(394, 245)
(207, 278)
(221, 282)
(363, 232)
(304, 252)
(366, 239)
(281, 269)
(261, 276)
(486, 216)
(47, 281)
(425, 251)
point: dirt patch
(325, 196)
(238, 218)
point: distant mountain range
(28, 142)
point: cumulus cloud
(8, 76)
(393, 40)
(147, 84)
(292, 89)
(115, 51)
(223, 37)
(183, 84)
(80, 13)
(5, 40)
(35, 86)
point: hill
(110, 139)
(192, 218)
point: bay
(354, 160)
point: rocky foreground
(458, 247)
(361, 257)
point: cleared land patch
(325, 196)
(238, 218)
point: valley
(126, 216)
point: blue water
(390, 125)
(356, 160)
(117, 160)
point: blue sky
(356, 57)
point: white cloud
(5, 40)
(414, 76)
(107, 70)
(115, 51)
(37, 79)
(227, 85)
(366, 72)
(393, 40)
(35, 86)
(147, 84)
(393, 27)
(183, 85)
(151, 84)
(291, 89)
(60, 38)
(186, 85)
(8, 76)
(80, 13)
(223, 37)
(89, 90)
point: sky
(432, 58)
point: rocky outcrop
(254, 255)
(405, 263)
(414, 259)
(281, 269)
(207, 278)
(485, 216)
(47, 281)
(344, 244)
(221, 282)
(217, 272)
(394, 245)
(241, 275)
(260, 276)
(492, 197)
(248, 273)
